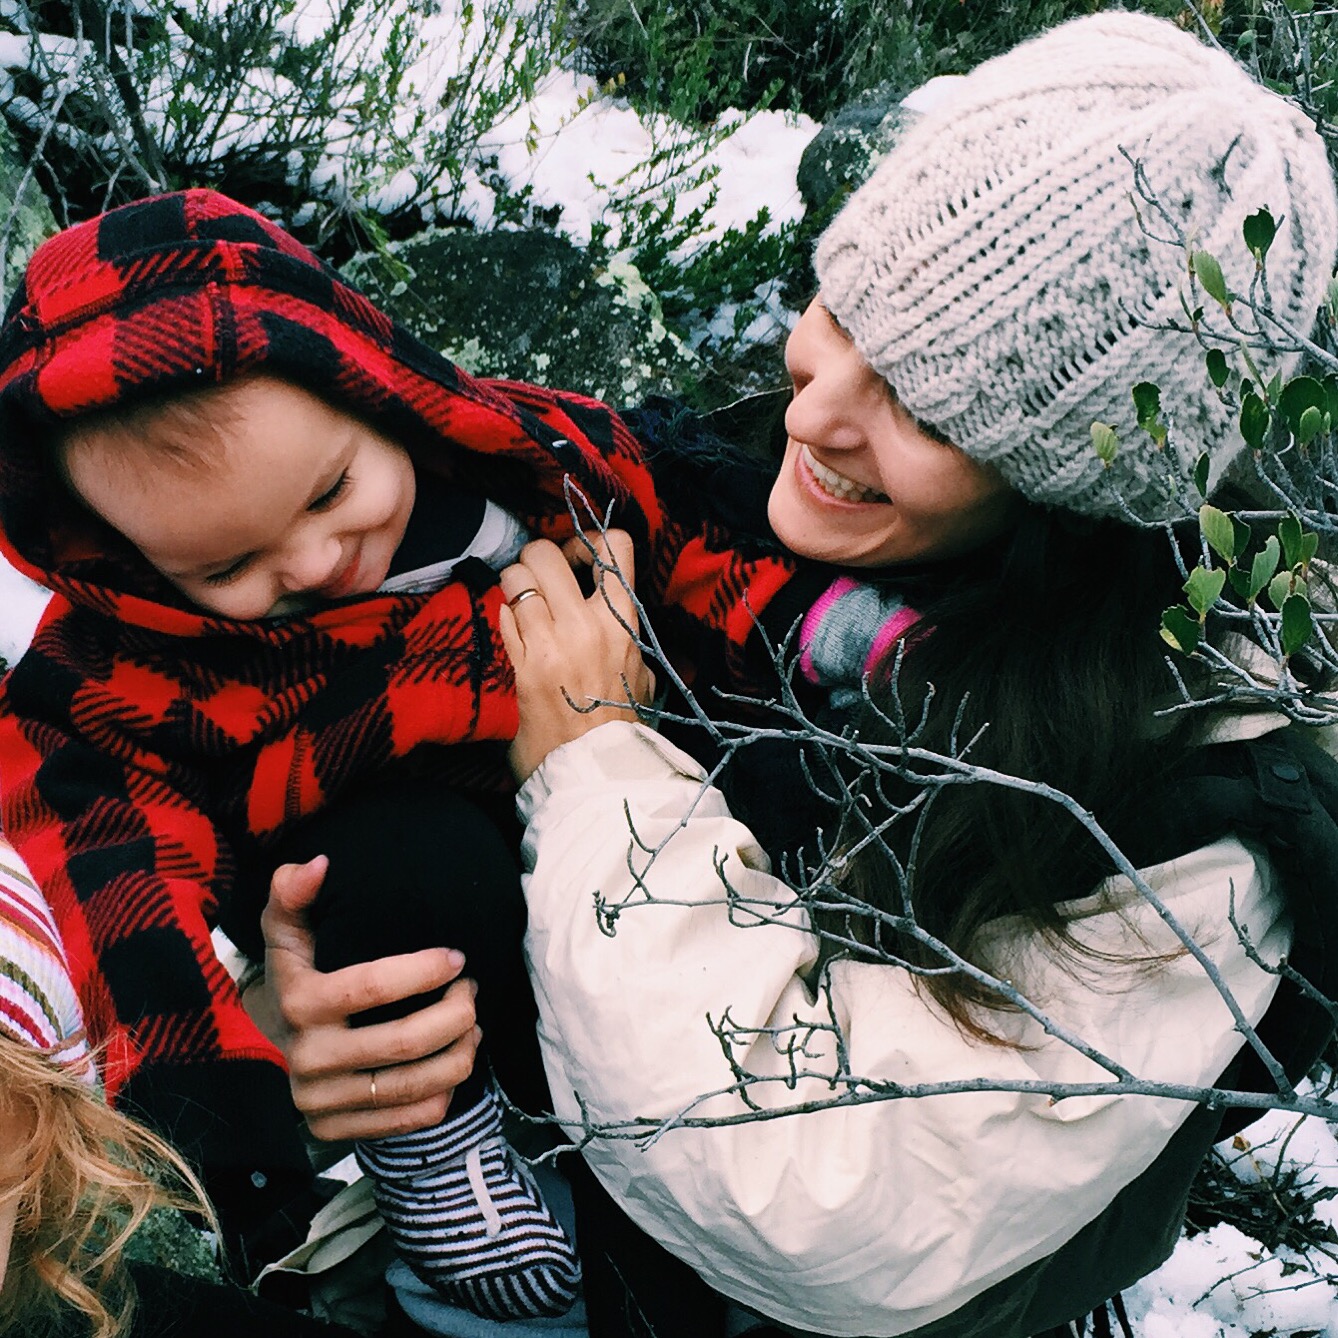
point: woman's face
(863, 484)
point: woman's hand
(569, 649)
(359, 1082)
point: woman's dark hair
(1049, 640)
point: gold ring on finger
(522, 595)
(372, 1076)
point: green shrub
(802, 55)
(315, 118)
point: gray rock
(166, 1238)
(530, 306)
(23, 225)
(849, 146)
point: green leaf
(1296, 623)
(1203, 587)
(1289, 535)
(1240, 581)
(1259, 230)
(1147, 405)
(1180, 629)
(1242, 534)
(1218, 531)
(1299, 395)
(1202, 467)
(1209, 274)
(1309, 547)
(1280, 589)
(1310, 426)
(1105, 441)
(1147, 402)
(1253, 420)
(1300, 6)
(1262, 568)
(1218, 371)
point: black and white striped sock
(465, 1215)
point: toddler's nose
(311, 565)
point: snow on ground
(582, 151)
(586, 155)
(21, 605)
(1222, 1283)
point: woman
(985, 299)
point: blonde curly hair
(84, 1178)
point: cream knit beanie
(993, 269)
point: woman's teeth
(840, 487)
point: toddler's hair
(87, 1178)
(183, 426)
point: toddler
(272, 521)
(259, 500)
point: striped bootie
(465, 1215)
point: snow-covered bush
(345, 119)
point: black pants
(416, 865)
(174, 1306)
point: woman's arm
(868, 1219)
(653, 914)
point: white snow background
(578, 149)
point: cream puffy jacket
(871, 1219)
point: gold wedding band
(372, 1076)
(522, 595)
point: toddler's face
(295, 500)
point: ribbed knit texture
(847, 631)
(994, 271)
(38, 1006)
(468, 1220)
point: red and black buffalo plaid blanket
(145, 746)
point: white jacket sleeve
(869, 1219)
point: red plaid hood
(190, 287)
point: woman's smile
(853, 448)
(835, 485)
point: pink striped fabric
(38, 1005)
